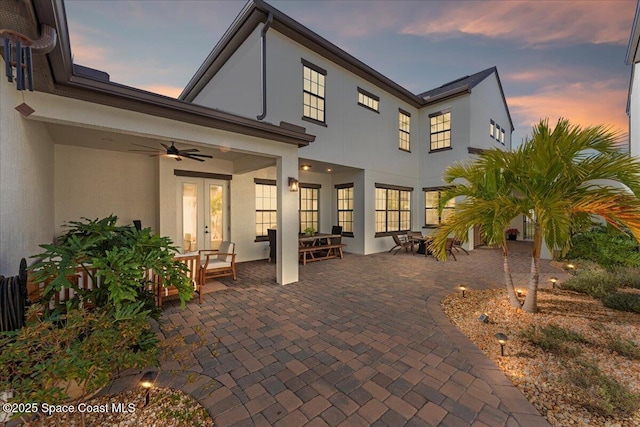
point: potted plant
(309, 231)
(512, 233)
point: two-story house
(380, 150)
(633, 100)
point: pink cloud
(532, 23)
(586, 104)
(166, 90)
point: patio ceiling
(324, 167)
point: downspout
(263, 58)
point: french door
(203, 219)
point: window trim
(368, 95)
(262, 181)
(320, 71)
(492, 129)
(317, 211)
(341, 187)
(408, 133)
(439, 113)
(399, 189)
(439, 189)
(502, 136)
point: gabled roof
(257, 11)
(634, 38)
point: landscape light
(519, 293)
(553, 281)
(484, 318)
(147, 381)
(502, 339)
(463, 288)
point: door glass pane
(215, 216)
(190, 217)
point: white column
(287, 236)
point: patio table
(312, 248)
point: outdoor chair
(401, 243)
(457, 245)
(217, 263)
(336, 229)
(192, 261)
(449, 248)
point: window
(393, 209)
(431, 201)
(266, 206)
(440, 130)
(492, 128)
(497, 134)
(308, 207)
(502, 136)
(345, 208)
(313, 92)
(404, 130)
(368, 100)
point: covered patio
(357, 341)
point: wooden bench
(320, 252)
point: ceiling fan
(174, 152)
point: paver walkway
(357, 342)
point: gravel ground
(542, 376)
(167, 408)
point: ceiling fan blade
(144, 146)
(189, 150)
(178, 159)
(165, 145)
(145, 151)
(206, 156)
(190, 156)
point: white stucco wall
(26, 183)
(94, 183)
(356, 243)
(486, 104)
(326, 216)
(634, 110)
(236, 87)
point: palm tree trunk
(531, 301)
(508, 279)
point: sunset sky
(555, 59)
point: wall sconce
(147, 381)
(502, 339)
(294, 185)
(462, 288)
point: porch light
(462, 288)
(502, 340)
(147, 381)
(329, 169)
(294, 185)
(173, 156)
(306, 167)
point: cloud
(535, 24)
(166, 90)
(83, 51)
(586, 104)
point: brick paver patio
(357, 342)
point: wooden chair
(457, 245)
(192, 260)
(217, 263)
(401, 243)
(449, 248)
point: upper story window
(313, 78)
(393, 209)
(440, 130)
(492, 129)
(368, 100)
(502, 136)
(266, 206)
(404, 130)
(345, 208)
(497, 133)
(431, 201)
(309, 207)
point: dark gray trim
(405, 112)
(264, 181)
(369, 94)
(402, 149)
(390, 233)
(310, 185)
(347, 185)
(314, 121)
(369, 108)
(439, 188)
(314, 67)
(437, 150)
(393, 187)
(475, 150)
(347, 234)
(207, 175)
(440, 113)
(261, 239)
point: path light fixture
(147, 381)
(502, 339)
(484, 318)
(519, 293)
(463, 288)
(570, 267)
(553, 281)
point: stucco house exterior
(633, 100)
(272, 101)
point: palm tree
(488, 202)
(559, 178)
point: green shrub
(627, 277)
(554, 339)
(606, 246)
(624, 347)
(622, 301)
(600, 392)
(594, 282)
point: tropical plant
(606, 246)
(558, 178)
